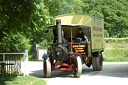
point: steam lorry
(67, 53)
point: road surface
(112, 74)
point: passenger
(80, 35)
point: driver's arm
(86, 38)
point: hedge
(119, 40)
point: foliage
(45, 43)
(57, 7)
(114, 12)
(25, 15)
(13, 42)
(26, 18)
(116, 40)
(106, 34)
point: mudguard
(76, 55)
(96, 54)
(45, 56)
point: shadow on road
(40, 73)
(110, 70)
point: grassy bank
(116, 52)
(21, 80)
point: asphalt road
(112, 74)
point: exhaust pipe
(58, 26)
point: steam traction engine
(67, 53)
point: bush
(47, 39)
(106, 34)
(14, 42)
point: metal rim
(77, 67)
(47, 68)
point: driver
(80, 35)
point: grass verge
(116, 52)
(21, 80)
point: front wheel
(97, 62)
(77, 67)
(47, 68)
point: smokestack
(58, 26)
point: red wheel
(47, 68)
(77, 67)
(97, 62)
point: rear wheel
(77, 67)
(97, 62)
(47, 68)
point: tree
(57, 7)
(114, 12)
(25, 17)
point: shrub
(14, 42)
(106, 34)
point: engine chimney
(58, 26)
